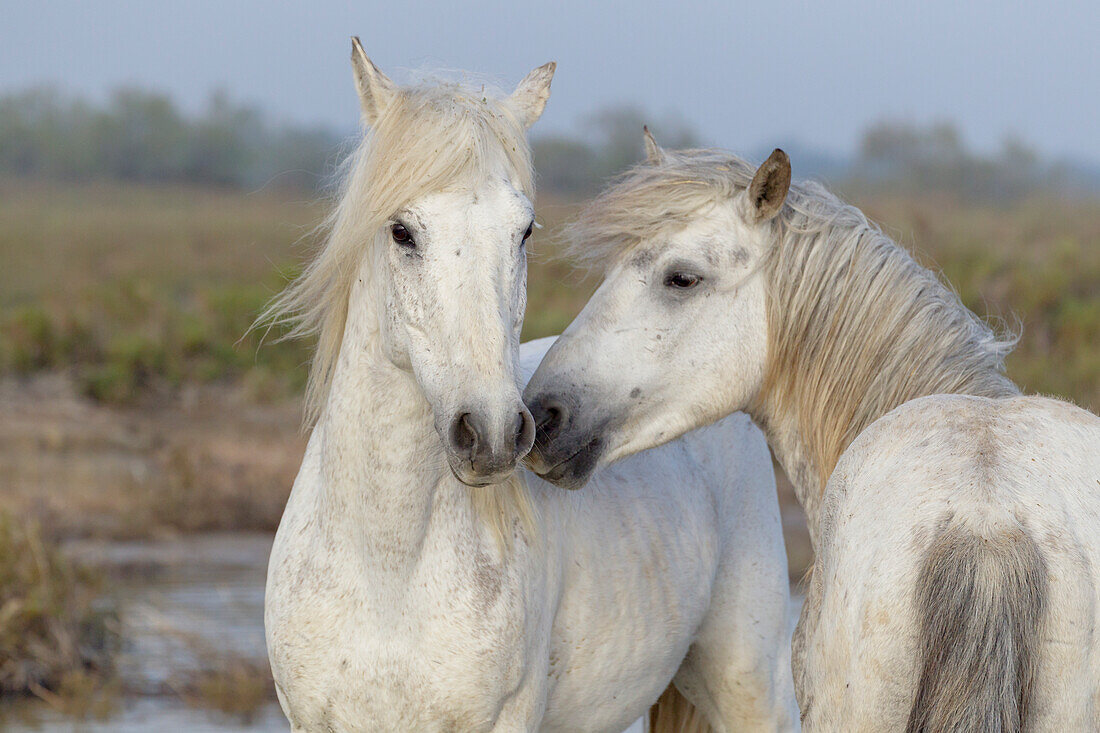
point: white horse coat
(400, 597)
(955, 585)
(579, 628)
(1006, 475)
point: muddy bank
(196, 459)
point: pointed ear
(654, 155)
(769, 187)
(375, 88)
(529, 98)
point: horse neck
(840, 359)
(785, 440)
(381, 463)
(790, 440)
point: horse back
(984, 472)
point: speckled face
(455, 292)
(649, 357)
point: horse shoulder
(531, 354)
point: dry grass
(237, 688)
(204, 458)
(61, 239)
(1035, 266)
(139, 287)
(56, 635)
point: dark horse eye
(682, 280)
(527, 234)
(402, 236)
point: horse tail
(674, 713)
(982, 599)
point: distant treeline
(609, 142)
(143, 136)
(895, 156)
(907, 157)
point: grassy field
(137, 288)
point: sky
(745, 75)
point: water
(184, 605)
(185, 602)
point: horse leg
(738, 671)
(858, 661)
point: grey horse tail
(983, 600)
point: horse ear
(375, 88)
(654, 155)
(769, 187)
(529, 98)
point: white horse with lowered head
(956, 524)
(416, 581)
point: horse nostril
(549, 415)
(486, 446)
(525, 433)
(464, 434)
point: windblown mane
(431, 137)
(856, 327)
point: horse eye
(402, 236)
(682, 280)
(527, 234)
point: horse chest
(428, 651)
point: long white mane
(856, 327)
(431, 137)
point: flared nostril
(465, 437)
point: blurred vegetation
(910, 159)
(186, 273)
(56, 635)
(129, 337)
(236, 688)
(142, 136)
(610, 141)
(131, 260)
(134, 287)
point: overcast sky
(746, 75)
